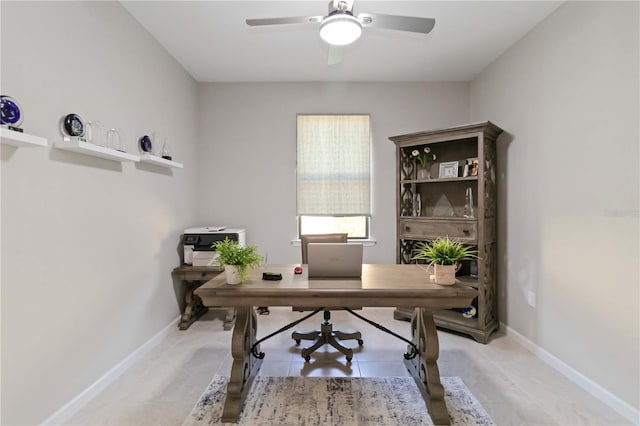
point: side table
(193, 277)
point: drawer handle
(407, 228)
(465, 231)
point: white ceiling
(212, 42)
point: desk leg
(193, 308)
(245, 366)
(229, 319)
(424, 368)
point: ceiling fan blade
(283, 21)
(335, 55)
(399, 23)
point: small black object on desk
(271, 276)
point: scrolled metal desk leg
(424, 367)
(245, 366)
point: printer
(197, 243)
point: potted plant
(236, 259)
(444, 254)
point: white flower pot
(445, 274)
(232, 274)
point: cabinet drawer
(429, 229)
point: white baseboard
(72, 407)
(617, 404)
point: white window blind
(334, 165)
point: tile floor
(515, 387)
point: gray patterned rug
(345, 401)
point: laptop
(334, 260)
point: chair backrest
(319, 238)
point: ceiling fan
(340, 27)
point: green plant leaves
(444, 251)
(230, 253)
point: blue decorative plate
(10, 111)
(73, 125)
(145, 144)
(469, 312)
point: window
(334, 174)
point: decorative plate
(73, 125)
(10, 111)
(145, 144)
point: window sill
(366, 243)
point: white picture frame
(448, 170)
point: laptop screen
(334, 260)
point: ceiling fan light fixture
(340, 29)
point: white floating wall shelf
(159, 161)
(94, 150)
(11, 137)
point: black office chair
(326, 334)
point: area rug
(345, 401)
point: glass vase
(417, 205)
(166, 151)
(424, 172)
(468, 204)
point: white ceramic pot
(445, 274)
(232, 274)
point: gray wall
(87, 244)
(248, 151)
(567, 94)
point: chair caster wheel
(349, 359)
(360, 342)
(307, 358)
(297, 341)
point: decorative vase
(468, 204)
(232, 274)
(445, 274)
(424, 172)
(417, 205)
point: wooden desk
(380, 285)
(193, 277)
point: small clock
(73, 125)
(10, 111)
(145, 144)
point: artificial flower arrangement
(423, 157)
